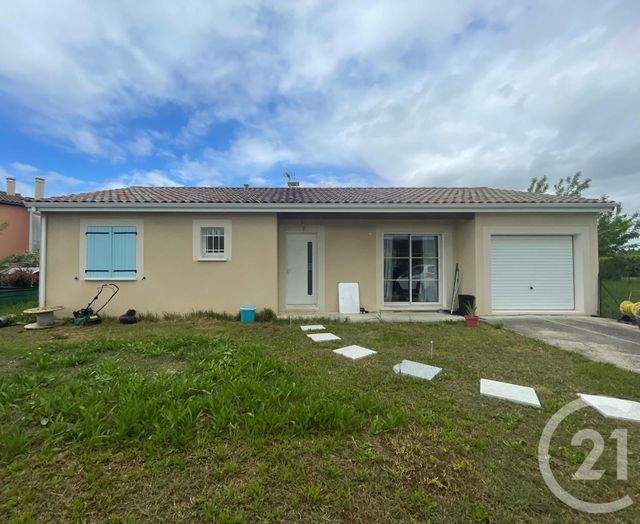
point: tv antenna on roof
(291, 179)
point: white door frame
(301, 227)
(441, 229)
(309, 300)
(411, 303)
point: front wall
(173, 281)
(350, 256)
(582, 226)
(465, 248)
(350, 250)
(14, 238)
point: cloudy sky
(488, 92)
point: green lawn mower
(87, 316)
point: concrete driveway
(600, 339)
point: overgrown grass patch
(17, 310)
(224, 391)
(202, 419)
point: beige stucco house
(180, 249)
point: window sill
(416, 305)
(212, 260)
(302, 307)
(97, 279)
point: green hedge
(620, 266)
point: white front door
(301, 269)
(532, 273)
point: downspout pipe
(42, 285)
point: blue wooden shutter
(124, 252)
(99, 244)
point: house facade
(19, 227)
(14, 222)
(186, 249)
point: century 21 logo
(586, 470)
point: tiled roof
(12, 200)
(315, 195)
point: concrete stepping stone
(313, 327)
(416, 369)
(323, 337)
(354, 352)
(611, 407)
(512, 392)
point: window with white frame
(111, 249)
(211, 240)
(411, 268)
(212, 244)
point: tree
(569, 186)
(539, 185)
(572, 185)
(618, 232)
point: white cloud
(198, 125)
(342, 180)
(19, 167)
(141, 146)
(211, 167)
(260, 153)
(141, 178)
(258, 181)
(4, 174)
(420, 93)
(53, 177)
(55, 183)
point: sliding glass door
(411, 269)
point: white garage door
(532, 273)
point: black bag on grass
(129, 317)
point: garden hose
(629, 309)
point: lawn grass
(197, 419)
(17, 311)
(613, 292)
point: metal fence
(614, 290)
(16, 295)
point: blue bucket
(247, 314)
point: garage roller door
(533, 273)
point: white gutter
(107, 207)
(42, 284)
(31, 215)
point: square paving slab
(416, 369)
(348, 298)
(323, 337)
(512, 392)
(611, 407)
(354, 352)
(313, 327)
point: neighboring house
(14, 223)
(178, 249)
(19, 227)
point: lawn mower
(87, 316)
